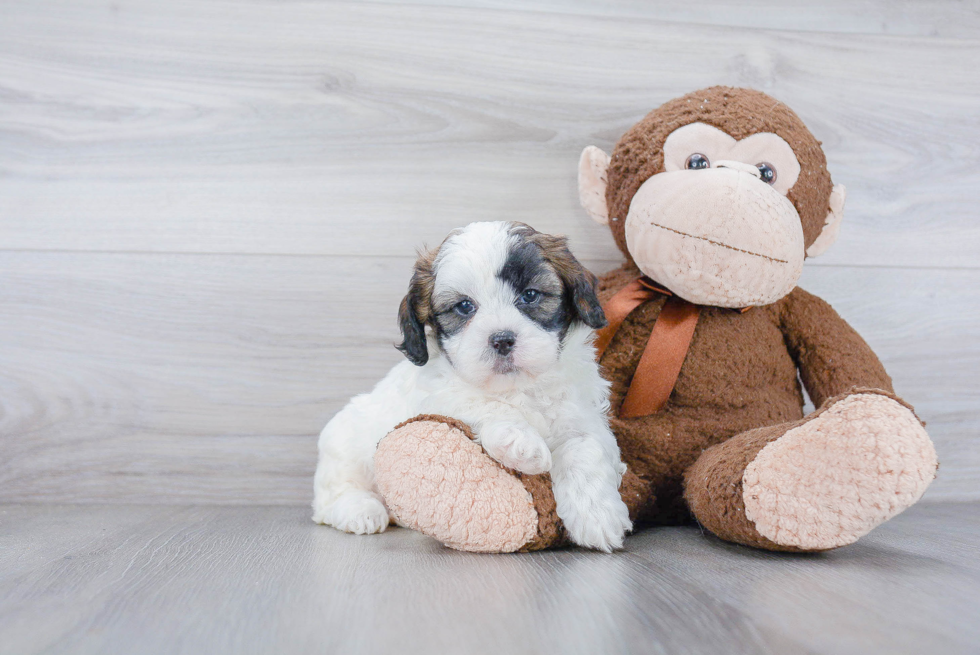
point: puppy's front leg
(515, 444)
(586, 488)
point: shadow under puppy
(498, 331)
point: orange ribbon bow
(665, 351)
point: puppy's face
(499, 299)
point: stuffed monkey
(714, 199)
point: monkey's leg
(818, 483)
(435, 479)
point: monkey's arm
(833, 359)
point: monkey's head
(719, 195)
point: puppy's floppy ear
(580, 284)
(583, 286)
(414, 312)
(413, 333)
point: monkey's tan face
(715, 226)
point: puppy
(497, 327)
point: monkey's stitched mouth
(718, 243)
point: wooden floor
(160, 579)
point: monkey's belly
(737, 376)
(660, 447)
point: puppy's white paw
(594, 516)
(517, 446)
(358, 512)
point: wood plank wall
(208, 210)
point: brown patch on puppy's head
(581, 299)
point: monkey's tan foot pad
(833, 479)
(435, 479)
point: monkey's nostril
(503, 342)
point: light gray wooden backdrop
(208, 210)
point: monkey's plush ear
(592, 167)
(413, 333)
(832, 227)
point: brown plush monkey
(715, 199)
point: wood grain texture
(208, 209)
(938, 19)
(150, 579)
(348, 128)
(204, 378)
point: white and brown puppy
(498, 330)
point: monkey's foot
(834, 478)
(435, 479)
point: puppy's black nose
(503, 342)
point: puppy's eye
(530, 296)
(464, 307)
(766, 172)
(697, 162)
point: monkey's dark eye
(464, 307)
(697, 162)
(530, 296)
(766, 172)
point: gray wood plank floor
(160, 579)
